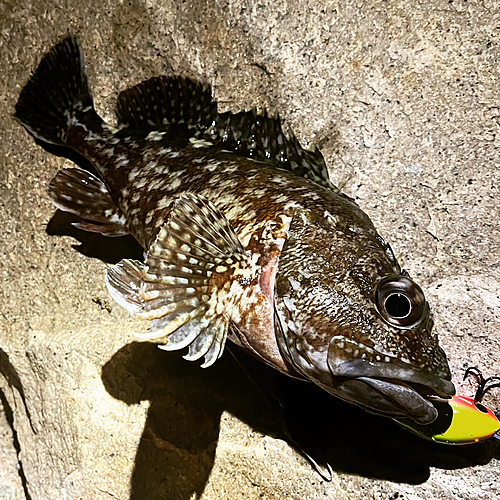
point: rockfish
(245, 238)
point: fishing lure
(461, 420)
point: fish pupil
(398, 305)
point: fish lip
(404, 399)
(392, 388)
(393, 372)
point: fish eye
(400, 302)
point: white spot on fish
(155, 184)
(155, 135)
(162, 169)
(174, 184)
(164, 151)
(163, 203)
(294, 284)
(330, 217)
(282, 198)
(390, 254)
(289, 304)
(259, 193)
(199, 143)
(212, 165)
(121, 161)
(117, 219)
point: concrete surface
(404, 100)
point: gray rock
(403, 99)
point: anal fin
(188, 286)
(81, 193)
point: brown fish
(244, 237)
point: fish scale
(245, 239)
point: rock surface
(404, 100)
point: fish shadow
(94, 245)
(176, 452)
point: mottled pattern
(245, 238)
(80, 192)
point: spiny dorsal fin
(189, 284)
(162, 101)
(80, 192)
(259, 136)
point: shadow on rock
(354, 441)
(93, 244)
(177, 449)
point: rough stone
(404, 100)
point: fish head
(348, 319)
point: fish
(245, 238)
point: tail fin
(58, 89)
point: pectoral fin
(188, 286)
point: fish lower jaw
(403, 399)
(393, 388)
(422, 382)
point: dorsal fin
(259, 136)
(161, 102)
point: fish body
(245, 238)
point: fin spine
(80, 192)
(160, 102)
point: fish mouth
(392, 389)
